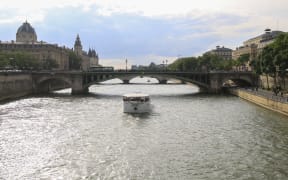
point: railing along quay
(267, 94)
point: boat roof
(136, 95)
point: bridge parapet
(80, 81)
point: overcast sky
(144, 31)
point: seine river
(187, 136)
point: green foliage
(206, 62)
(280, 52)
(74, 61)
(275, 54)
(242, 60)
(256, 66)
(185, 64)
(25, 61)
(4, 61)
(267, 60)
(18, 60)
(49, 64)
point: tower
(94, 59)
(78, 46)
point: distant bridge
(80, 81)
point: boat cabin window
(140, 99)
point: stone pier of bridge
(77, 85)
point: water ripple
(187, 136)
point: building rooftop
(267, 35)
(26, 27)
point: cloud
(153, 7)
(144, 31)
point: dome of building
(26, 33)
(26, 27)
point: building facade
(26, 41)
(89, 59)
(40, 51)
(256, 44)
(94, 58)
(222, 52)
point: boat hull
(132, 107)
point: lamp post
(126, 64)
(166, 65)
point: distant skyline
(144, 31)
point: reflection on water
(187, 136)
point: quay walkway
(264, 98)
(267, 94)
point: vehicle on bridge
(101, 69)
(136, 103)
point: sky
(144, 31)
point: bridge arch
(236, 82)
(80, 81)
(162, 78)
(242, 81)
(48, 84)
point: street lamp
(126, 64)
(166, 64)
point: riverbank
(263, 98)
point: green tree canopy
(280, 51)
(74, 61)
(18, 60)
(202, 63)
(49, 64)
(242, 60)
(275, 54)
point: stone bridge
(212, 82)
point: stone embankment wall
(15, 85)
(269, 82)
(278, 106)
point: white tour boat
(136, 103)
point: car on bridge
(101, 69)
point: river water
(187, 136)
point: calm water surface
(187, 136)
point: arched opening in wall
(233, 83)
(112, 81)
(54, 85)
(143, 80)
(175, 81)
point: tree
(280, 50)
(190, 64)
(215, 62)
(267, 62)
(257, 65)
(272, 56)
(185, 64)
(206, 62)
(4, 61)
(49, 64)
(18, 60)
(74, 61)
